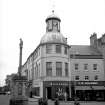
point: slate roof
(83, 50)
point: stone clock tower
(53, 24)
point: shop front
(56, 89)
(37, 89)
(90, 90)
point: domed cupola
(53, 34)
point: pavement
(4, 100)
(33, 101)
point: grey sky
(26, 19)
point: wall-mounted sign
(57, 83)
(88, 83)
(65, 84)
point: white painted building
(55, 67)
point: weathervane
(52, 5)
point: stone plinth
(18, 91)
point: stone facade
(50, 68)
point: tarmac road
(4, 99)
(68, 103)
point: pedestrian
(65, 96)
(76, 102)
(31, 94)
(56, 102)
(40, 101)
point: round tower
(55, 69)
(53, 34)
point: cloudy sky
(26, 19)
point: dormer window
(58, 48)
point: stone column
(20, 57)
(18, 95)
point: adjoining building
(87, 73)
(55, 68)
(8, 81)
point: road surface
(4, 99)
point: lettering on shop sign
(65, 84)
(87, 83)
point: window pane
(86, 77)
(48, 68)
(58, 48)
(36, 91)
(65, 50)
(77, 77)
(48, 48)
(94, 66)
(58, 68)
(85, 66)
(76, 66)
(66, 69)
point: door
(49, 93)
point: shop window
(77, 77)
(36, 91)
(76, 66)
(96, 77)
(86, 77)
(94, 66)
(58, 68)
(26, 72)
(66, 69)
(65, 51)
(58, 48)
(48, 68)
(48, 48)
(85, 66)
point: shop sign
(58, 83)
(87, 83)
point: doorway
(48, 92)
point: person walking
(65, 96)
(76, 102)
